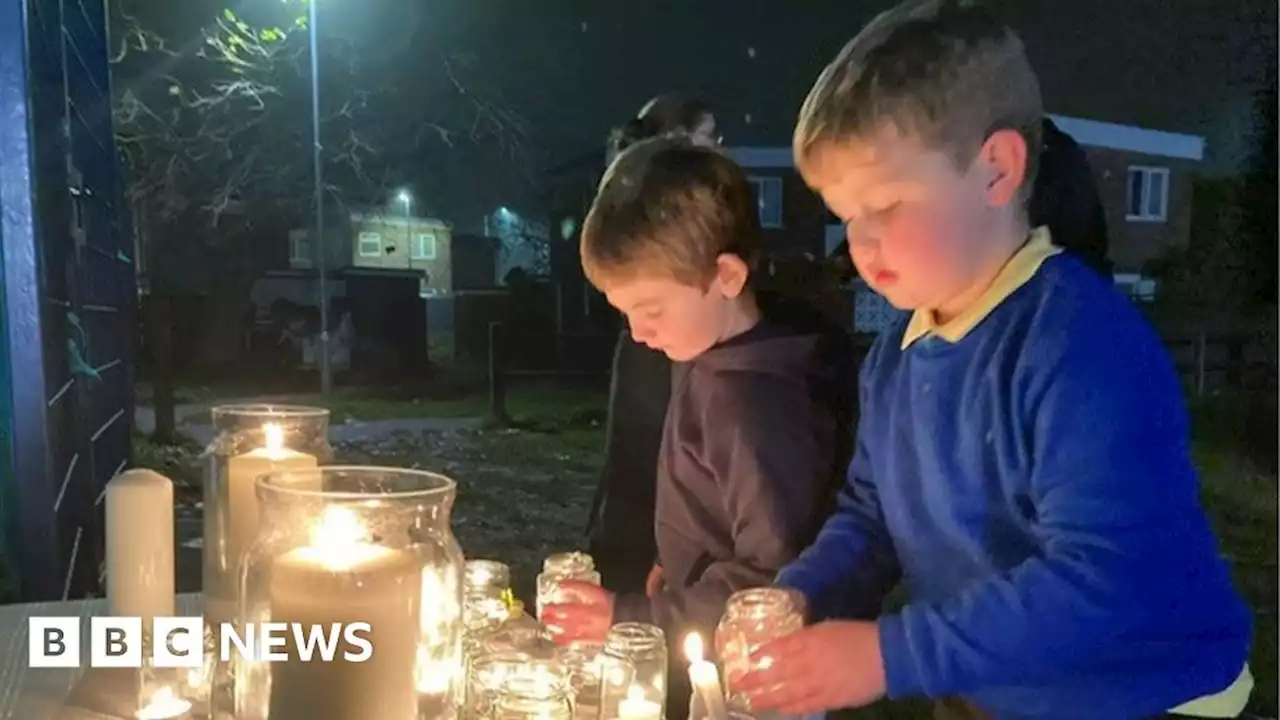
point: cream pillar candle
(343, 578)
(140, 546)
(242, 501)
(705, 681)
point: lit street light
(322, 263)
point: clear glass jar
(506, 675)
(563, 566)
(635, 672)
(583, 661)
(542, 695)
(251, 441)
(751, 619)
(486, 595)
(344, 545)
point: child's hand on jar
(582, 612)
(828, 666)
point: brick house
(371, 241)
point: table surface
(57, 693)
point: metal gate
(69, 297)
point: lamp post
(406, 199)
(322, 262)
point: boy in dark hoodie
(752, 449)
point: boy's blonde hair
(669, 208)
(942, 71)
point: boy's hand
(655, 582)
(584, 613)
(828, 666)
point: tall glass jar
(751, 619)
(251, 441)
(634, 669)
(563, 566)
(343, 545)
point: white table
(57, 693)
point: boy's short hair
(669, 208)
(943, 71)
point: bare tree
(215, 136)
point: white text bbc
(54, 642)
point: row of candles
(473, 650)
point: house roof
(1089, 133)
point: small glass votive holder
(634, 672)
(557, 568)
(752, 618)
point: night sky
(574, 68)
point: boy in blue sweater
(1022, 458)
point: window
(370, 244)
(769, 197)
(424, 246)
(1148, 197)
(299, 249)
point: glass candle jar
(583, 661)
(751, 619)
(251, 441)
(485, 595)
(343, 545)
(524, 698)
(496, 677)
(563, 566)
(634, 670)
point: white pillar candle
(635, 706)
(341, 577)
(243, 472)
(139, 517)
(705, 681)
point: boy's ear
(731, 274)
(1004, 159)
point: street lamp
(404, 197)
(322, 263)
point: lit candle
(242, 498)
(342, 578)
(635, 706)
(705, 680)
(139, 518)
(163, 705)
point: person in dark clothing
(1065, 198)
(620, 526)
(755, 439)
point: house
(393, 280)
(421, 247)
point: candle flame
(340, 540)
(164, 704)
(273, 438)
(693, 647)
(635, 694)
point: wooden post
(497, 373)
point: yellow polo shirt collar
(1020, 268)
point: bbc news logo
(55, 642)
